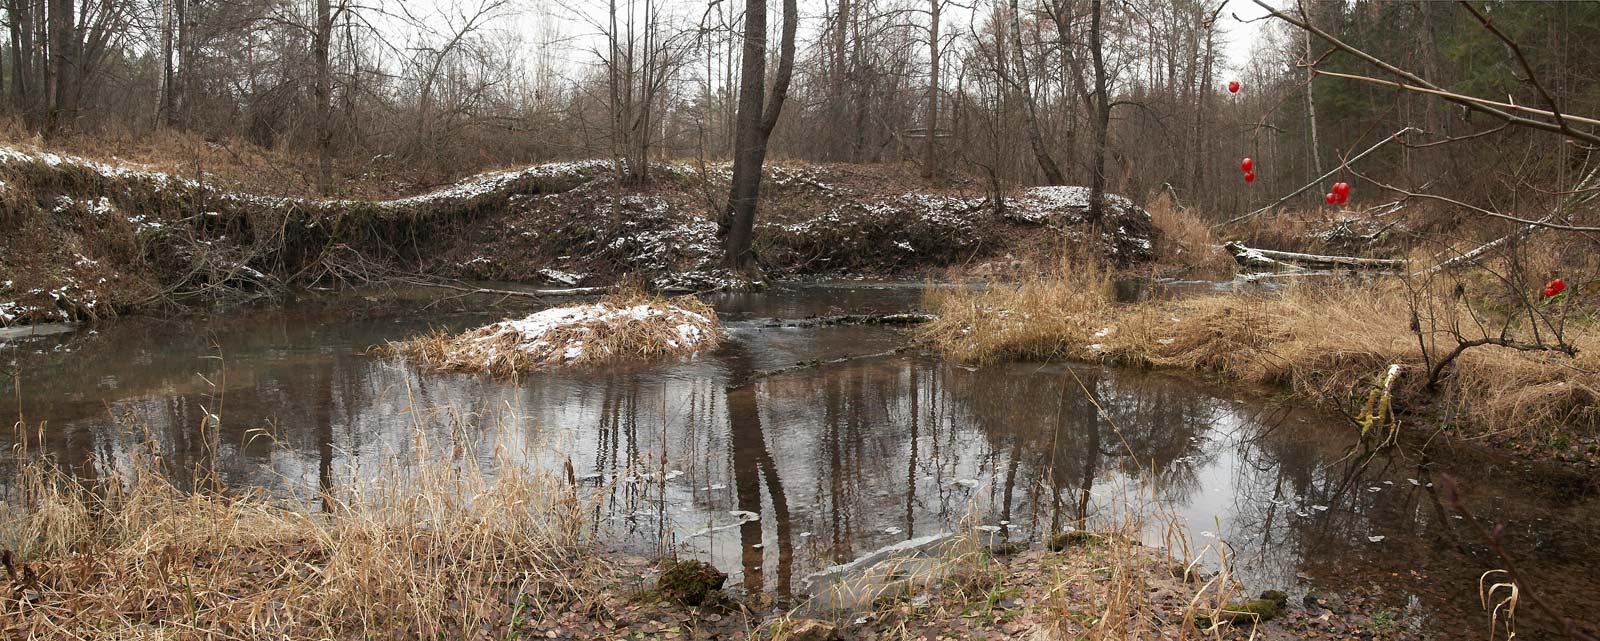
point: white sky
(1240, 22)
(1241, 35)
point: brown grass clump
(431, 551)
(1327, 341)
(1185, 239)
(627, 325)
(1055, 316)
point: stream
(773, 477)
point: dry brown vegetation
(1327, 341)
(1183, 239)
(433, 549)
(628, 325)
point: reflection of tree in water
(873, 445)
(1302, 501)
(754, 467)
(1049, 421)
(1161, 427)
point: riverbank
(433, 549)
(95, 239)
(1331, 342)
(859, 444)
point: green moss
(1271, 605)
(1255, 610)
(1073, 539)
(688, 582)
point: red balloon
(1247, 164)
(1233, 86)
(1331, 198)
(1343, 197)
(1341, 188)
(1554, 287)
(1249, 176)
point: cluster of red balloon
(1247, 165)
(1340, 193)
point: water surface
(775, 476)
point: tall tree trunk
(182, 100)
(23, 71)
(613, 84)
(756, 119)
(863, 92)
(1041, 151)
(1102, 121)
(839, 79)
(167, 115)
(930, 161)
(1311, 108)
(324, 91)
(1202, 98)
(62, 73)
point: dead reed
(432, 549)
(1325, 341)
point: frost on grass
(622, 327)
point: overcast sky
(1241, 35)
(523, 18)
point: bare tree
(758, 116)
(1102, 118)
(322, 39)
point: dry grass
(1324, 340)
(1100, 584)
(435, 549)
(233, 163)
(1055, 316)
(1185, 239)
(625, 326)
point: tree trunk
(181, 79)
(930, 162)
(1102, 121)
(23, 71)
(324, 91)
(62, 34)
(756, 119)
(166, 110)
(1311, 108)
(1036, 142)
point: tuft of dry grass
(1054, 316)
(1185, 239)
(627, 325)
(437, 549)
(1325, 340)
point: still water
(773, 472)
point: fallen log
(527, 293)
(1271, 259)
(1580, 194)
(819, 363)
(903, 318)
